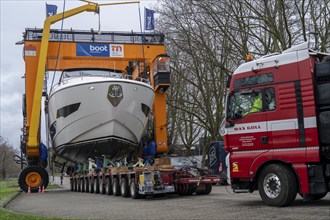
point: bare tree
(208, 39)
(320, 22)
(198, 73)
(7, 165)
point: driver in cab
(257, 103)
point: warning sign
(235, 167)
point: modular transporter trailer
(145, 181)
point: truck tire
(323, 68)
(324, 124)
(124, 187)
(115, 187)
(108, 186)
(277, 185)
(33, 177)
(134, 191)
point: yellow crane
(41, 56)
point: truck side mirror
(228, 81)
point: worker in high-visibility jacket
(139, 163)
(257, 103)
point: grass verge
(9, 215)
(9, 188)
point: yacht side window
(116, 75)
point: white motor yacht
(94, 112)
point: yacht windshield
(91, 73)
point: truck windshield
(91, 73)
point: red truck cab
(278, 126)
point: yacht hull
(90, 118)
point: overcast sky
(18, 15)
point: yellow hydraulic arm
(34, 120)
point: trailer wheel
(74, 184)
(277, 185)
(91, 184)
(115, 187)
(71, 184)
(208, 189)
(108, 186)
(33, 177)
(97, 185)
(191, 190)
(134, 191)
(82, 180)
(87, 182)
(79, 184)
(124, 187)
(102, 185)
(183, 189)
(201, 189)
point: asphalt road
(222, 203)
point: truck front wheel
(277, 185)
